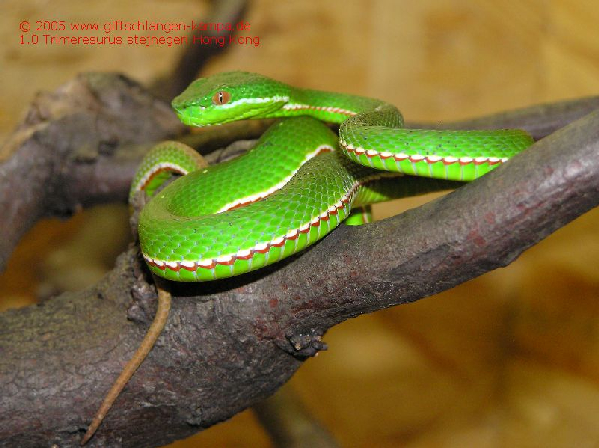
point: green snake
(238, 216)
(294, 187)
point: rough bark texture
(229, 344)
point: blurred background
(508, 359)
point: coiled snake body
(224, 220)
(186, 235)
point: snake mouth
(191, 115)
(200, 116)
(244, 109)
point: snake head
(230, 96)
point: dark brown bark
(539, 121)
(229, 344)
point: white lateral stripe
(276, 99)
(415, 158)
(261, 195)
(336, 110)
(244, 253)
(160, 166)
(345, 201)
(188, 264)
(260, 246)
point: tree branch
(80, 146)
(289, 424)
(229, 344)
(539, 121)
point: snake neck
(326, 106)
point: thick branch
(229, 344)
(77, 126)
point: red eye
(221, 97)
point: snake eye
(221, 97)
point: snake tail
(146, 345)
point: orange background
(508, 359)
